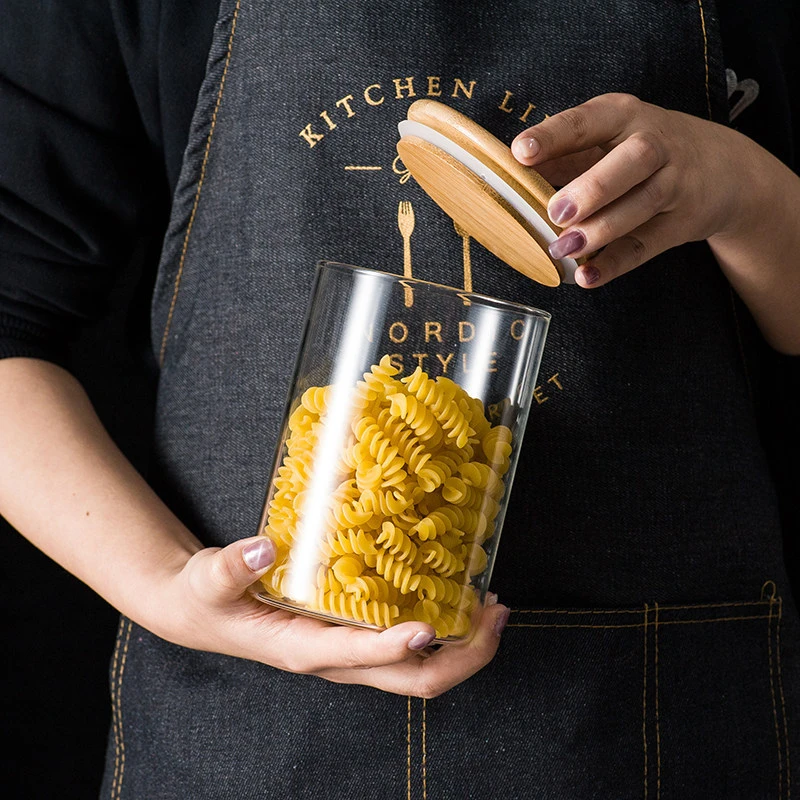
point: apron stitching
(774, 704)
(705, 53)
(783, 701)
(114, 714)
(408, 750)
(424, 750)
(119, 711)
(634, 624)
(200, 182)
(658, 727)
(638, 611)
(644, 701)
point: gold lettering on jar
(492, 365)
(433, 330)
(345, 101)
(368, 95)
(433, 86)
(398, 332)
(445, 362)
(311, 137)
(397, 361)
(420, 358)
(504, 106)
(459, 84)
(407, 84)
(466, 331)
(517, 329)
(330, 123)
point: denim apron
(652, 648)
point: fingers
(560, 171)
(617, 219)
(600, 122)
(317, 648)
(627, 252)
(634, 161)
(448, 666)
(220, 576)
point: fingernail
(258, 555)
(491, 599)
(419, 641)
(500, 622)
(562, 209)
(526, 147)
(566, 244)
(589, 275)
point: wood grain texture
(478, 209)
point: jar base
(286, 605)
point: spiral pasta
(418, 485)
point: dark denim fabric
(644, 658)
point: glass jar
(398, 450)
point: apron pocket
(662, 701)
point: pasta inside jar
(416, 487)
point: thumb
(227, 573)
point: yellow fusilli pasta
(418, 488)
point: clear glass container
(398, 450)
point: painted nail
(500, 622)
(525, 148)
(419, 641)
(566, 244)
(590, 275)
(258, 555)
(562, 209)
(491, 599)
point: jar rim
(482, 299)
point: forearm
(67, 488)
(760, 252)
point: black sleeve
(77, 170)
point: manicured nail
(419, 641)
(525, 148)
(258, 555)
(500, 622)
(589, 275)
(491, 599)
(562, 209)
(566, 244)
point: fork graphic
(405, 222)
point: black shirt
(96, 98)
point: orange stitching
(644, 701)
(633, 624)
(408, 745)
(637, 610)
(424, 751)
(114, 715)
(199, 189)
(705, 53)
(658, 728)
(774, 704)
(119, 709)
(783, 701)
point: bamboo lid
(476, 180)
